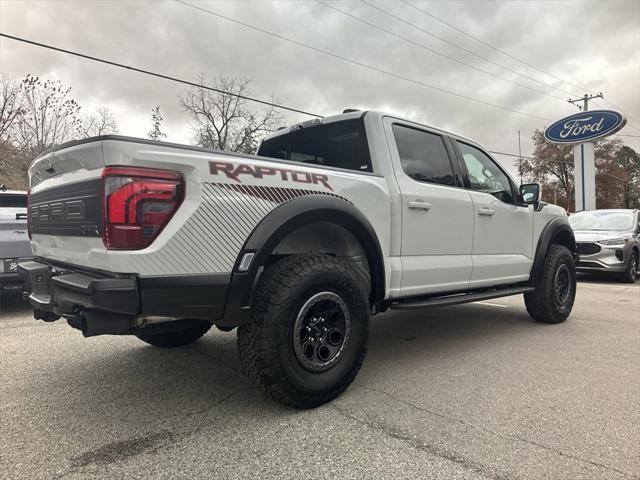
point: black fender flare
(558, 231)
(283, 220)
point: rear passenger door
(437, 212)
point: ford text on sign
(585, 126)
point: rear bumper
(65, 290)
(10, 284)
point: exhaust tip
(94, 322)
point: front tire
(631, 273)
(307, 337)
(177, 338)
(553, 298)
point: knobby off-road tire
(307, 337)
(178, 338)
(552, 300)
(631, 273)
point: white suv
(333, 220)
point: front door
(503, 232)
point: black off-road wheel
(631, 273)
(552, 300)
(178, 338)
(307, 337)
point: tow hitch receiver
(37, 276)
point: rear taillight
(137, 203)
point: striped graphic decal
(211, 239)
(276, 195)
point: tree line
(37, 114)
(617, 172)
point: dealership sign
(585, 126)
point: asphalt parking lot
(473, 391)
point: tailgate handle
(21, 216)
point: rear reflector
(137, 204)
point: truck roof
(351, 114)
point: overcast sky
(594, 45)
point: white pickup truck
(332, 221)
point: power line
(629, 119)
(492, 47)
(360, 64)
(159, 75)
(471, 52)
(429, 49)
(511, 155)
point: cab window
(423, 156)
(341, 144)
(484, 175)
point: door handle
(419, 204)
(486, 211)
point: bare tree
(223, 121)
(50, 117)
(14, 163)
(11, 106)
(102, 122)
(156, 120)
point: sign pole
(584, 165)
(585, 176)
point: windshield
(13, 201)
(622, 221)
(339, 144)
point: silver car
(14, 240)
(608, 241)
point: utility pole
(519, 158)
(585, 101)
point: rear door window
(340, 144)
(423, 156)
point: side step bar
(457, 299)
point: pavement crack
(505, 436)
(423, 446)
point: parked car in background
(14, 239)
(608, 241)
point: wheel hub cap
(321, 331)
(562, 284)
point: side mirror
(530, 193)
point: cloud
(593, 45)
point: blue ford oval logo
(585, 126)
